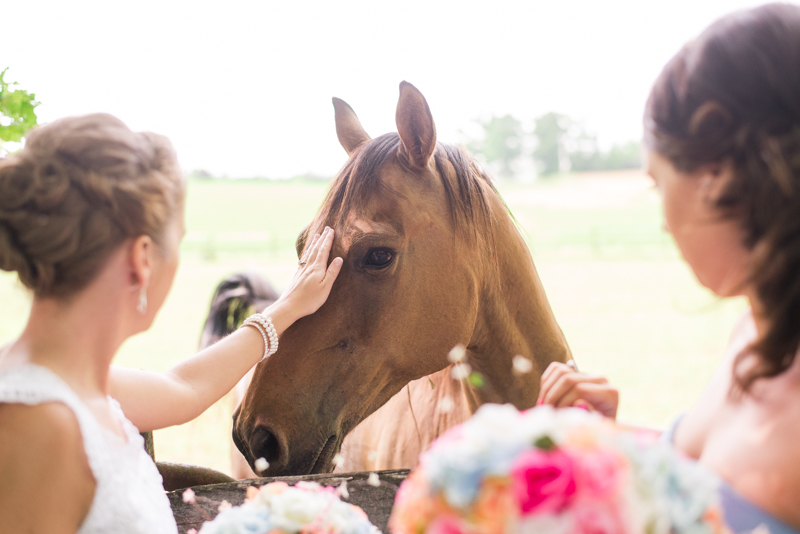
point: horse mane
(467, 191)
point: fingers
(568, 382)
(550, 376)
(583, 403)
(319, 241)
(562, 386)
(571, 397)
(592, 396)
(332, 273)
(317, 254)
(552, 368)
(324, 248)
(307, 253)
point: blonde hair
(76, 192)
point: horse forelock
(466, 185)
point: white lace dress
(129, 496)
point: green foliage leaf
(545, 443)
(476, 379)
(17, 111)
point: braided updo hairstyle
(733, 95)
(78, 189)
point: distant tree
(201, 174)
(500, 144)
(556, 144)
(17, 111)
(565, 145)
(582, 150)
(627, 156)
(586, 156)
(550, 131)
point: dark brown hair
(78, 189)
(733, 95)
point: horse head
(431, 260)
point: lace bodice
(129, 496)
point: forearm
(158, 400)
(206, 377)
(152, 401)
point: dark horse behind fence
(432, 259)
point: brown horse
(432, 259)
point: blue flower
(240, 520)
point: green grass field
(629, 307)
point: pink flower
(414, 506)
(600, 473)
(495, 508)
(188, 496)
(600, 517)
(544, 481)
(452, 436)
(445, 524)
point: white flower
(550, 524)
(261, 465)
(224, 505)
(280, 507)
(446, 404)
(521, 365)
(342, 491)
(457, 354)
(374, 480)
(294, 508)
(460, 371)
(245, 518)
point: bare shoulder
(51, 422)
(715, 401)
(47, 482)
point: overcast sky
(243, 88)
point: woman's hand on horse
(312, 283)
(562, 386)
(189, 388)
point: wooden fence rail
(376, 501)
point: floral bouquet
(277, 508)
(547, 471)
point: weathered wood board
(376, 501)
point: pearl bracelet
(268, 333)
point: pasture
(630, 309)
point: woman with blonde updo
(722, 130)
(91, 216)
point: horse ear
(415, 125)
(348, 128)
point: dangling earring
(141, 307)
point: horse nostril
(264, 444)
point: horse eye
(378, 258)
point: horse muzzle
(273, 446)
(265, 443)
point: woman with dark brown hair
(722, 132)
(91, 216)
